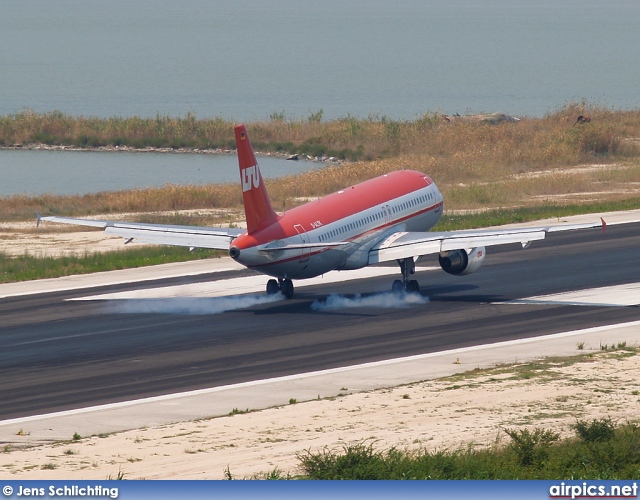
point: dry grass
(473, 164)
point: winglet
(257, 206)
(604, 225)
(39, 219)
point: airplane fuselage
(336, 232)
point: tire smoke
(190, 305)
(387, 300)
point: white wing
(403, 245)
(160, 234)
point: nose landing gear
(285, 286)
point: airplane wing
(160, 234)
(402, 245)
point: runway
(131, 340)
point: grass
(170, 197)
(543, 141)
(599, 450)
(28, 267)
(118, 477)
(236, 411)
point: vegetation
(600, 450)
(499, 216)
(28, 267)
(546, 141)
(532, 162)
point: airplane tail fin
(257, 205)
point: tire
(397, 286)
(272, 287)
(287, 288)
(413, 287)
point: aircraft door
(304, 239)
(388, 214)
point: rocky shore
(150, 149)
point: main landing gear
(282, 285)
(407, 267)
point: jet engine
(461, 262)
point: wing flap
(69, 220)
(490, 239)
(403, 245)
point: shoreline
(116, 149)
(151, 149)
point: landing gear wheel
(272, 287)
(397, 286)
(286, 287)
(407, 267)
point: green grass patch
(497, 217)
(28, 267)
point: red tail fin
(257, 206)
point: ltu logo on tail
(250, 175)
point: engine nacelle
(461, 262)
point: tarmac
(260, 394)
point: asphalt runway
(61, 354)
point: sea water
(257, 59)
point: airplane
(384, 219)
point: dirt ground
(57, 240)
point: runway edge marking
(168, 397)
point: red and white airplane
(383, 219)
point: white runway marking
(239, 286)
(608, 296)
(119, 277)
(375, 368)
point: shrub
(595, 431)
(531, 448)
